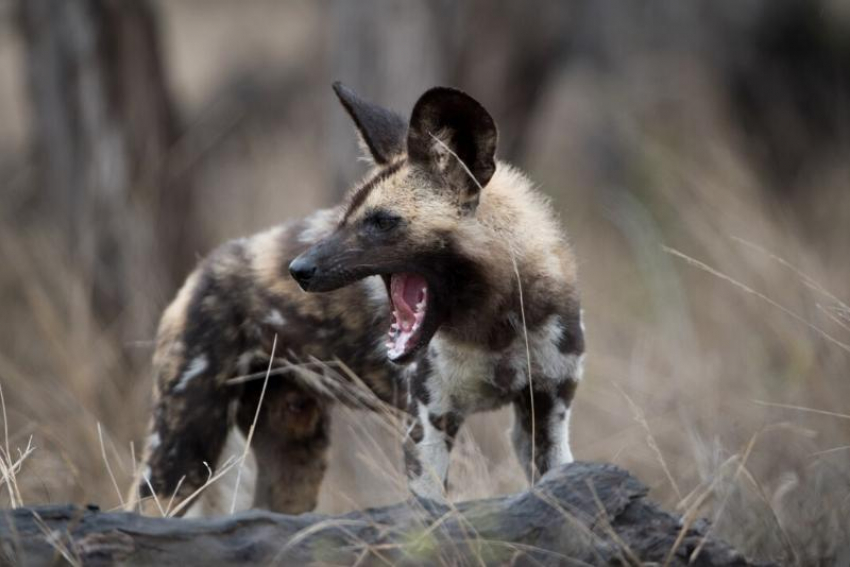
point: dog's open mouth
(409, 300)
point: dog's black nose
(302, 269)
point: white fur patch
(579, 369)
(376, 291)
(458, 372)
(196, 367)
(243, 363)
(275, 318)
(559, 434)
(546, 358)
(434, 458)
(548, 363)
(153, 441)
(553, 266)
(545, 355)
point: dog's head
(402, 223)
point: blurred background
(697, 153)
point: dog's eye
(382, 221)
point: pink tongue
(406, 290)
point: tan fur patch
(170, 348)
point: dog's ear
(448, 127)
(381, 130)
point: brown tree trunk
(103, 125)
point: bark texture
(579, 514)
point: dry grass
(718, 376)
(717, 316)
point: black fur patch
(504, 375)
(567, 391)
(383, 130)
(449, 424)
(472, 132)
(544, 404)
(501, 335)
(462, 280)
(572, 337)
(360, 194)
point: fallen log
(583, 513)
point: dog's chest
(468, 379)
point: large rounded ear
(452, 135)
(382, 130)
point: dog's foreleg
(427, 448)
(541, 430)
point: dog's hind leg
(541, 429)
(187, 432)
(198, 344)
(290, 443)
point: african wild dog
(436, 279)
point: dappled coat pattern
(443, 283)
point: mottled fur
(419, 211)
